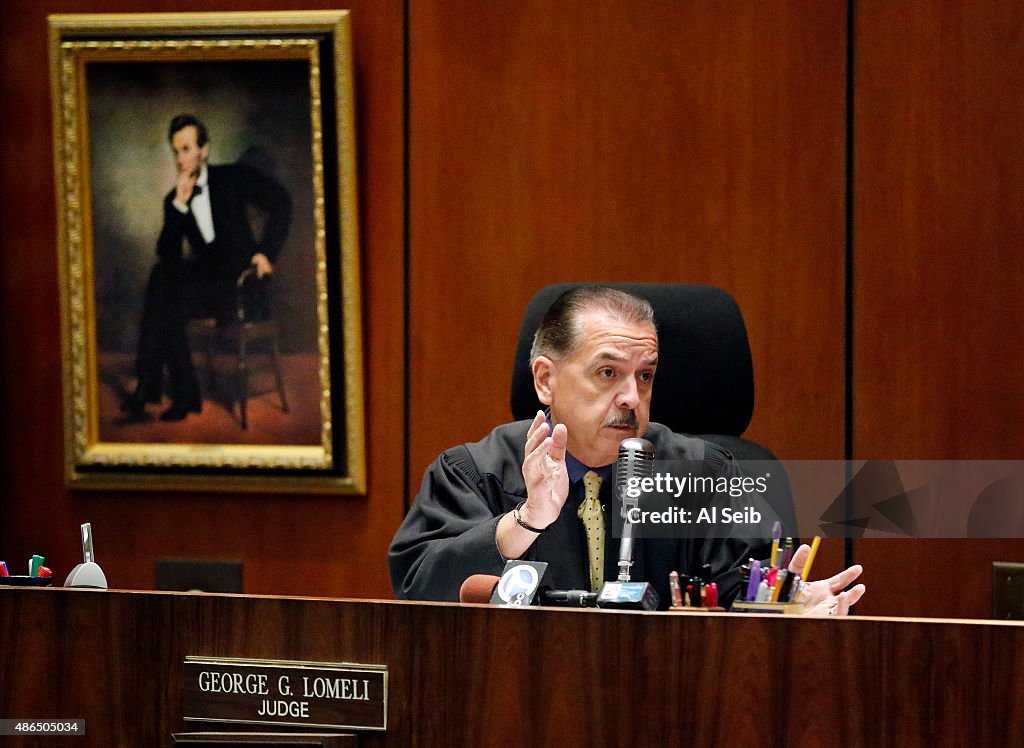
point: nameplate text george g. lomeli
(276, 692)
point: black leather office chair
(705, 381)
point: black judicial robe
(449, 533)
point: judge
(540, 490)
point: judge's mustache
(624, 418)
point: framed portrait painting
(208, 251)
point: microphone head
(636, 444)
(478, 588)
(636, 461)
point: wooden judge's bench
(472, 675)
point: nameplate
(276, 692)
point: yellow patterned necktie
(593, 521)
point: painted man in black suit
(208, 211)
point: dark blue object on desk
(26, 581)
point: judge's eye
(607, 372)
(646, 376)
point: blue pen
(755, 580)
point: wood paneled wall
(939, 270)
(663, 142)
(671, 141)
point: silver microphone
(636, 462)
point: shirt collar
(204, 177)
(577, 469)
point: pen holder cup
(26, 581)
(788, 609)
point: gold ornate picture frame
(149, 294)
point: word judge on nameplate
(273, 692)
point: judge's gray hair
(559, 333)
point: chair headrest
(705, 380)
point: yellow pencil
(806, 576)
(776, 537)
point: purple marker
(755, 580)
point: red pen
(712, 595)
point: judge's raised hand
(826, 597)
(545, 473)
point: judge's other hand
(545, 473)
(825, 597)
(263, 266)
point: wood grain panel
(476, 675)
(901, 575)
(656, 141)
(939, 271)
(294, 544)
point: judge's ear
(543, 378)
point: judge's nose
(628, 398)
